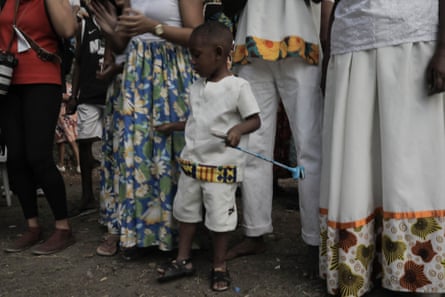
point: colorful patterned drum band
(214, 174)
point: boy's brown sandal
(218, 277)
(175, 269)
(31, 237)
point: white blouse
(164, 11)
(366, 24)
(275, 20)
(276, 29)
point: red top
(34, 21)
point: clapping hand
(105, 15)
(132, 23)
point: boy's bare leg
(220, 245)
(86, 168)
(186, 234)
(75, 149)
(249, 246)
(181, 266)
(61, 155)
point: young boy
(221, 106)
(88, 97)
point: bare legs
(220, 243)
(61, 156)
(59, 224)
(186, 234)
(249, 246)
(87, 164)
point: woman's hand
(105, 15)
(132, 23)
(436, 71)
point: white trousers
(296, 83)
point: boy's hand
(169, 128)
(164, 128)
(71, 106)
(109, 71)
(249, 125)
(233, 137)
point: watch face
(159, 30)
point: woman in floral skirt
(140, 171)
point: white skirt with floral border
(382, 207)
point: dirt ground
(78, 271)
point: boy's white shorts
(218, 199)
(89, 121)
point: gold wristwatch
(158, 29)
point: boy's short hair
(215, 33)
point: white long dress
(383, 177)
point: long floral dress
(140, 171)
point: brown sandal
(109, 246)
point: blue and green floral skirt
(140, 172)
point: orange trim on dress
(414, 214)
(386, 215)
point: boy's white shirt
(217, 106)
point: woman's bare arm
(62, 17)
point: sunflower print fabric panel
(142, 173)
(292, 46)
(109, 200)
(408, 254)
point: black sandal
(174, 270)
(217, 276)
